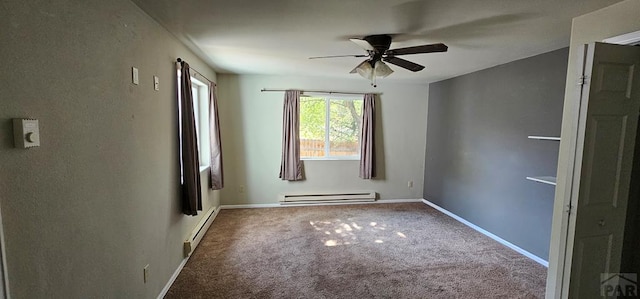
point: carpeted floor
(404, 250)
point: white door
(607, 127)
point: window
(200, 92)
(330, 128)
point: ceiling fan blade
(418, 49)
(363, 44)
(337, 56)
(414, 67)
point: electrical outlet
(241, 189)
(145, 273)
(410, 184)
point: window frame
(327, 126)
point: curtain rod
(323, 91)
(196, 71)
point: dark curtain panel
(190, 165)
(367, 144)
(216, 181)
(291, 168)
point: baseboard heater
(326, 197)
(198, 232)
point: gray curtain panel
(216, 181)
(367, 142)
(291, 168)
(190, 165)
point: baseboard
(488, 234)
(175, 274)
(277, 205)
(250, 206)
(173, 278)
(399, 200)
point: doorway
(601, 214)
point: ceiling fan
(377, 47)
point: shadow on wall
(379, 142)
(6, 139)
(233, 140)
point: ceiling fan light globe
(382, 69)
(365, 70)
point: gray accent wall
(478, 154)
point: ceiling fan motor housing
(380, 42)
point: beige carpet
(353, 251)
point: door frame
(631, 38)
(573, 181)
(4, 279)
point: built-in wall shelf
(551, 180)
(544, 138)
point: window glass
(344, 127)
(196, 108)
(313, 115)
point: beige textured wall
(86, 211)
(253, 128)
(608, 22)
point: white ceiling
(278, 36)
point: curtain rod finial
(179, 59)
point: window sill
(331, 159)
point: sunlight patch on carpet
(337, 232)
